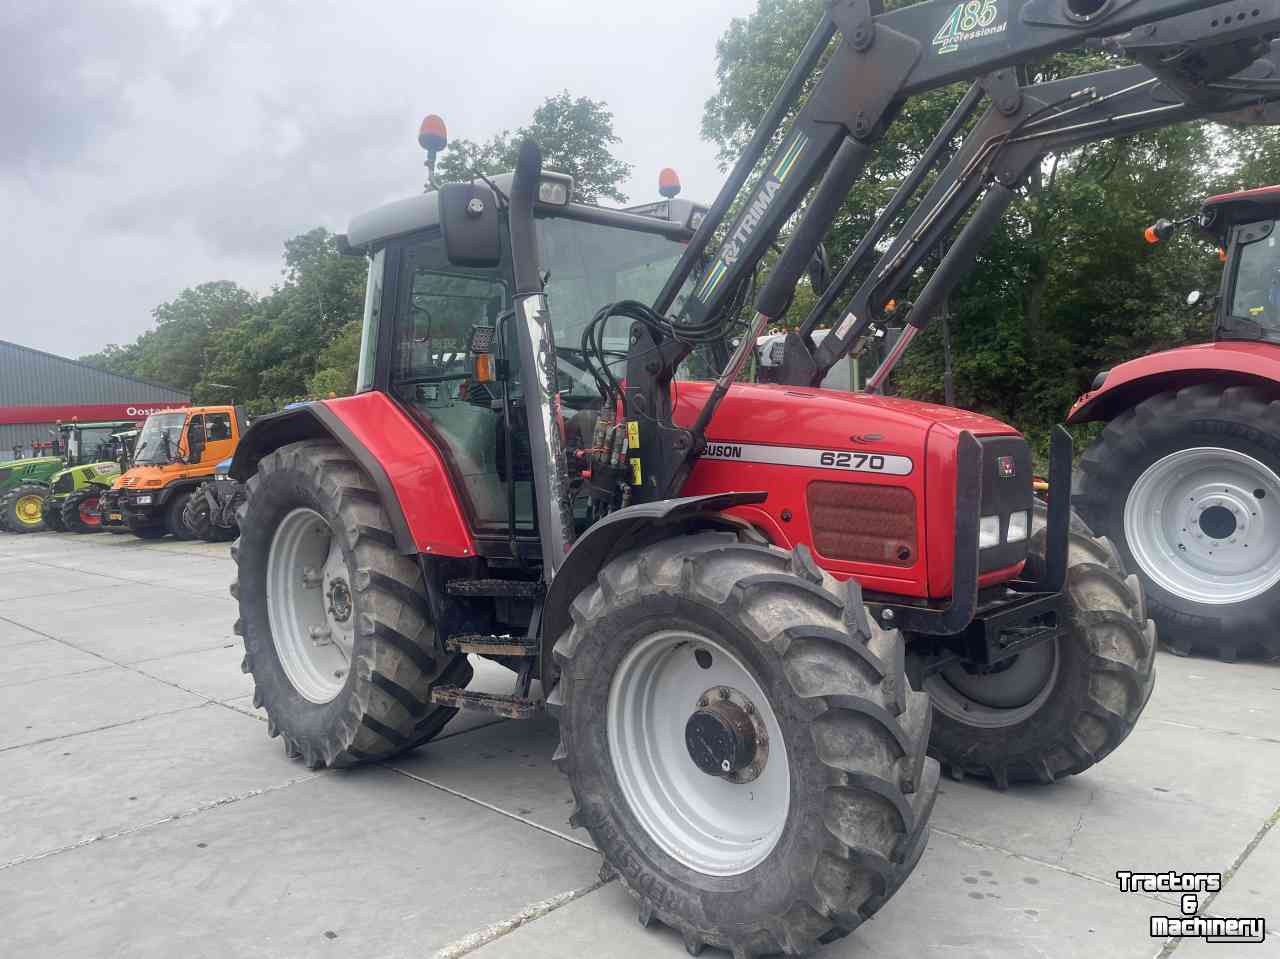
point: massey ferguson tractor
(1185, 479)
(737, 599)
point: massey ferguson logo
(970, 21)
(721, 451)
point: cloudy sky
(150, 145)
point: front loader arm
(1017, 131)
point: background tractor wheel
(742, 744)
(1187, 484)
(198, 520)
(23, 508)
(79, 512)
(1062, 706)
(337, 632)
(174, 513)
(51, 513)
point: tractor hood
(827, 419)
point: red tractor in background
(1185, 479)
(739, 600)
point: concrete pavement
(146, 813)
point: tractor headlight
(989, 532)
(1019, 527)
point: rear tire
(1198, 457)
(23, 508)
(198, 519)
(79, 512)
(381, 705)
(1062, 706)
(848, 733)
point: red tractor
(1185, 479)
(738, 600)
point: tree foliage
(1067, 286)
(576, 136)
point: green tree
(576, 136)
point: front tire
(787, 849)
(79, 513)
(1064, 705)
(174, 516)
(324, 591)
(23, 508)
(1187, 485)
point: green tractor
(30, 488)
(73, 505)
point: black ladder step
(510, 707)
(493, 645)
(510, 588)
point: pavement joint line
(98, 729)
(1215, 729)
(186, 652)
(991, 847)
(63, 592)
(491, 807)
(174, 817)
(1173, 943)
(482, 937)
(78, 672)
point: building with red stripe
(37, 390)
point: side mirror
(469, 220)
(820, 270)
(195, 443)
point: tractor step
(508, 588)
(493, 645)
(510, 707)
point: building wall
(37, 389)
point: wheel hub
(29, 510)
(725, 738)
(1204, 524)
(680, 707)
(340, 600)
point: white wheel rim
(709, 824)
(309, 605)
(1204, 524)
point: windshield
(590, 266)
(158, 442)
(1257, 288)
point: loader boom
(879, 60)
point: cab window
(1257, 286)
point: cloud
(156, 144)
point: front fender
(612, 535)
(1130, 383)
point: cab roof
(367, 231)
(1221, 213)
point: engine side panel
(788, 441)
(1130, 383)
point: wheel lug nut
(724, 693)
(702, 703)
(750, 709)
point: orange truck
(176, 452)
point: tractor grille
(862, 523)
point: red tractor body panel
(415, 469)
(1130, 383)
(769, 422)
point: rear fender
(1127, 385)
(405, 466)
(620, 531)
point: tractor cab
(440, 328)
(1245, 226)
